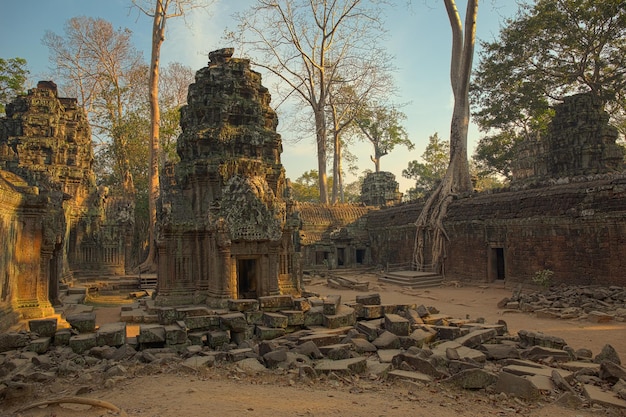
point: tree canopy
(13, 75)
(428, 174)
(549, 50)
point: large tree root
(430, 228)
(78, 400)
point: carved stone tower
(226, 222)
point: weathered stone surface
(596, 395)
(608, 353)
(536, 353)
(321, 339)
(387, 355)
(83, 342)
(363, 345)
(528, 339)
(473, 379)
(380, 189)
(612, 372)
(344, 316)
(111, 334)
(310, 349)
(13, 340)
(276, 302)
(387, 340)
(150, 334)
(500, 351)
(83, 322)
(397, 325)
(418, 364)
(40, 345)
(233, 321)
(43, 327)
(536, 370)
(294, 317)
(275, 320)
(331, 304)
(243, 305)
(409, 376)
(516, 385)
(369, 299)
(314, 316)
(217, 338)
(461, 352)
(477, 337)
(251, 366)
(350, 366)
(208, 322)
(268, 333)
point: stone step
(412, 279)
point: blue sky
(419, 39)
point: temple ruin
(227, 222)
(55, 222)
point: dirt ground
(225, 390)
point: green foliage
(306, 189)
(428, 174)
(543, 278)
(549, 50)
(13, 75)
(381, 125)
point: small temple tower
(227, 221)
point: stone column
(273, 271)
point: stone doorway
(341, 257)
(496, 264)
(360, 256)
(247, 273)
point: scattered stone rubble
(592, 303)
(315, 337)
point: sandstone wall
(577, 230)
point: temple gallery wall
(228, 227)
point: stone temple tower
(226, 218)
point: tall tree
(160, 11)
(428, 173)
(549, 50)
(457, 180)
(381, 126)
(100, 67)
(13, 75)
(311, 46)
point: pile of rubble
(315, 336)
(593, 303)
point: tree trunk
(320, 132)
(457, 179)
(158, 36)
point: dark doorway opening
(341, 253)
(360, 256)
(247, 278)
(497, 264)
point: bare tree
(456, 180)
(98, 65)
(312, 45)
(160, 11)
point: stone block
(600, 317)
(344, 316)
(268, 333)
(517, 385)
(240, 337)
(423, 335)
(83, 342)
(596, 395)
(363, 345)
(387, 355)
(175, 335)
(62, 337)
(198, 338)
(331, 304)
(243, 305)
(477, 338)
(111, 334)
(462, 352)
(371, 312)
(473, 379)
(321, 339)
(183, 312)
(447, 332)
(369, 299)
(314, 316)
(254, 317)
(294, 317)
(397, 325)
(234, 321)
(208, 322)
(167, 315)
(40, 345)
(198, 363)
(387, 340)
(522, 370)
(236, 355)
(418, 364)
(409, 376)
(370, 328)
(43, 327)
(301, 304)
(275, 320)
(437, 319)
(82, 322)
(377, 369)
(276, 302)
(612, 372)
(150, 334)
(310, 349)
(217, 338)
(500, 351)
(537, 353)
(343, 366)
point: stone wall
(577, 230)
(380, 189)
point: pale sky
(419, 39)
